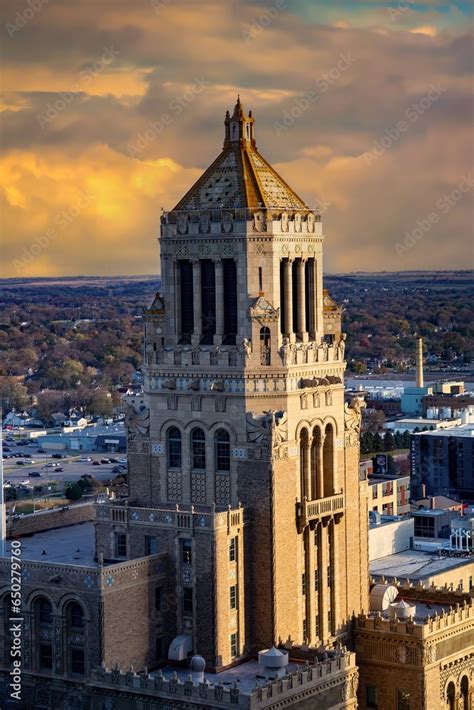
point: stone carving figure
(285, 352)
(246, 350)
(342, 345)
(353, 415)
(137, 424)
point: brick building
(246, 523)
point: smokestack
(423, 490)
(419, 363)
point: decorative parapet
(173, 518)
(181, 224)
(418, 627)
(212, 357)
(309, 680)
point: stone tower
(243, 458)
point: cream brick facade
(255, 365)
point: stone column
(306, 453)
(334, 562)
(197, 303)
(300, 326)
(288, 291)
(323, 606)
(320, 474)
(310, 591)
(311, 298)
(219, 335)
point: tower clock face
(158, 331)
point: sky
(111, 109)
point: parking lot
(70, 467)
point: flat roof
(71, 545)
(415, 564)
(245, 675)
(464, 430)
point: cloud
(72, 123)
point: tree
(73, 491)
(49, 402)
(388, 441)
(13, 395)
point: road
(73, 468)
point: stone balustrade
(184, 518)
(309, 510)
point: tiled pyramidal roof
(240, 177)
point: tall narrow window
(44, 631)
(328, 458)
(230, 301)
(283, 323)
(208, 300)
(265, 349)
(260, 279)
(234, 645)
(198, 449)
(187, 299)
(233, 596)
(222, 450)
(174, 447)
(233, 549)
(120, 544)
(75, 615)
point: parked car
(35, 474)
(123, 461)
(40, 450)
(59, 469)
(27, 456)
(57, 456)
(20, 463)
(104, 460)
(113, 460)
(117, 469)
(85, 459)
(96, 462)
(6, 448)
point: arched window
(198, 449)
(75, 640)
(451, 696)
(43, 615)
(75, 615)
(222, 450)
(265, 350)
(317, 488)
(328, 459)
(465, 692)
(174, 447)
